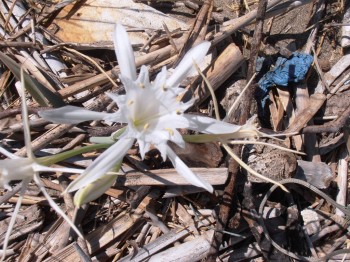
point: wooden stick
(170, 177)
(224, 66)
(149, 59)
(155, 246)
(342, 180)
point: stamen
(130, 102)
(178, 111)
(142, 85)
(146, 126)
(164, 88)
(171, 132)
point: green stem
(50, 160)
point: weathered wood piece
(318, 174)
(311, 221)
(157, 245)
(224, 66)
(27, 221)
(345, 38)
(199, 154)
(271, 162)
(303, 117)
(193, 250)
(170, 177)
(334, 73)
(342, 179)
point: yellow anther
(142, 85)
(130, 102)
(164, 88)
(146, 126)
(178, 112)
(171, 132)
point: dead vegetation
(151, 213)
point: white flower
(27, 169)
(152, 113)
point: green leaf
(53, 159)
(42, 95)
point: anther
(171, 132)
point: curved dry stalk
(234, 105)
(247, 142)
(226, 147)
(250, 170)
(93, 62)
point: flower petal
(162, 147)
(143, 78)
(143, 147)
(176, 138)
(160, 80)
(102, 164)
(71, 115)
(8, 154)
(209, 125)
(124, 52)
(55, 206)
(13, 217)
(183, 170)
(40, 168)
(15, 169)
(196, 54)
(94, 190)
(25, 119)
(118, 99)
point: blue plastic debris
(292, 69)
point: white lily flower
(152, 113)
(27, 169)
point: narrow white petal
(209, 125)
(185, 67)
(128, 83)
(102, 164)
(71, 115)
(117, 117)
(93, 190)
(40, 168)
(176, 138)
(172, 121)
(159, 82)
(143, 77)
(14, 216)
(119, 99)
(55, 206)
(143, 147)
(8, 154)
(162, 147)
(183, 170)
(124, 52)
(156, 137)
(15, 169)
(25, 120)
